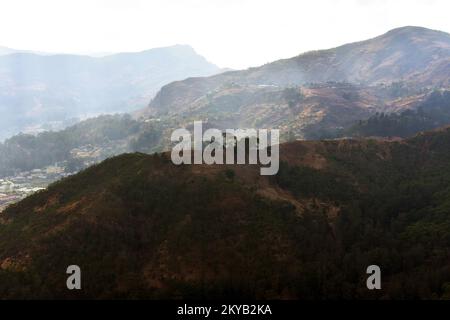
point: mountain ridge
(343, 63)
(167, 231)
(55, 88)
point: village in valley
(23, 184)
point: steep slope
(312, 111)
(431, 113)
(38, 89)
(5, 51)
(303, 112)
(138, 226)
(88, 142)
(418, 56)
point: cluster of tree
(399, 89)
(25, 152)
(293, 96)
(433, 112)
(148, 140)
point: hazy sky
(230, 33)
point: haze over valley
(391, 86)
(41, 92)
(88, 177)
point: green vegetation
(140, 227)
(433, 113)
(293, 96)
(114, 133)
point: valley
(43, 90)
(24, 184)
(363, 180)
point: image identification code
(232, 309)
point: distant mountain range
(38, 89)
(334, 87)
(242, 99)
(5, 51)
(416, 55)
(141, 227)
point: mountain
(105, 136)
(433, 112)
(413, 57)
(51, 89)
(333, 109)
(140, 227)
(302, 112)
(85, 142)
(5, 51)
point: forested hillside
(310, 232)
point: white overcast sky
(229, 33)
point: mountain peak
(414, 32)
(410, 29)
(414, 55)
(414, 29)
